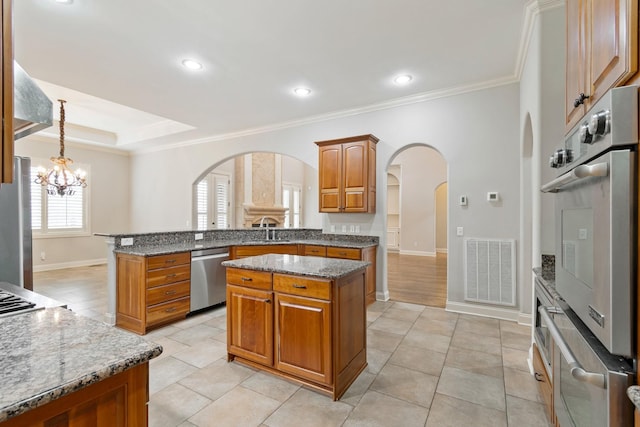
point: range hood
(32, 110)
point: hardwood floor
(417, 279)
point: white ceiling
(118, 62)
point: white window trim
(213, 199)
(295, 186)
(86, 209)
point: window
(221, 201)
(53, 215)
(291, 200)
(202, 196)
(213, 202)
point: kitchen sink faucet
(262, 224)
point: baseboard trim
(382, 296)
(110, 319)
(525, 319)
(417, 253)
(73, 264)
(478, 310)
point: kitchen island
(299, 317)
(57, 367)
(139, 299)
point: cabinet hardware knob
(170, 310)
(538, 377)
(268, 301)
(170, 292)
(246, 279)
(299, 286)
(580, 100)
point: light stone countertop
(634, 394)
(49, 353)
(328, 268)
(169, 248)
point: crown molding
(532, 9)
(394, 103)
(80, 143)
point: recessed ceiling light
(302, 91)
(402, 79)
(64, 1)
(191, 64)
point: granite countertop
(634, 394)
(52, 352)
(548, 280)
(39, 300)
(169, 248)
(329, 268)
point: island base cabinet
(314, 333)
(250, 324)
(303, 337)
(118, 401)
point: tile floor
(427, 367)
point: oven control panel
(610, 122)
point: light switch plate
(493, 196)
(199, 236)
(463, 201)
(126, 241)
(460, 231)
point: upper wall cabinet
(601, 43)
(6, 93)
(347, 174)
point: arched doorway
(417, 264)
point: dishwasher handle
(203, 258)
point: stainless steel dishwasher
(208, 280)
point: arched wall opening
(417, 223)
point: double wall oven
(592, 325)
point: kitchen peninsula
(57, 367)
(148, 251)
(300, 317)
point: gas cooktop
(12, 304)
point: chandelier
(60, 179)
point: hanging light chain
(62, 101)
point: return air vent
(490, 273)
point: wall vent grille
(490, 271)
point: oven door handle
(577, 371)
(580, 172)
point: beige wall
(441, 218)
(423, 169)
(108, 190)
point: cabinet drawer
(170, 260)
(313, 250)
(296, 285)
(164, 293)
(255, 250)
(544, 384)
(345, 253)
(249, 278)
(169, 310)
(165, 276)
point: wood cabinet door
(355, 165)
(250, 324)
(6, 92)
(576, 61)
(544, 383)
(330, 165)
(303, 337)
(613, 30)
